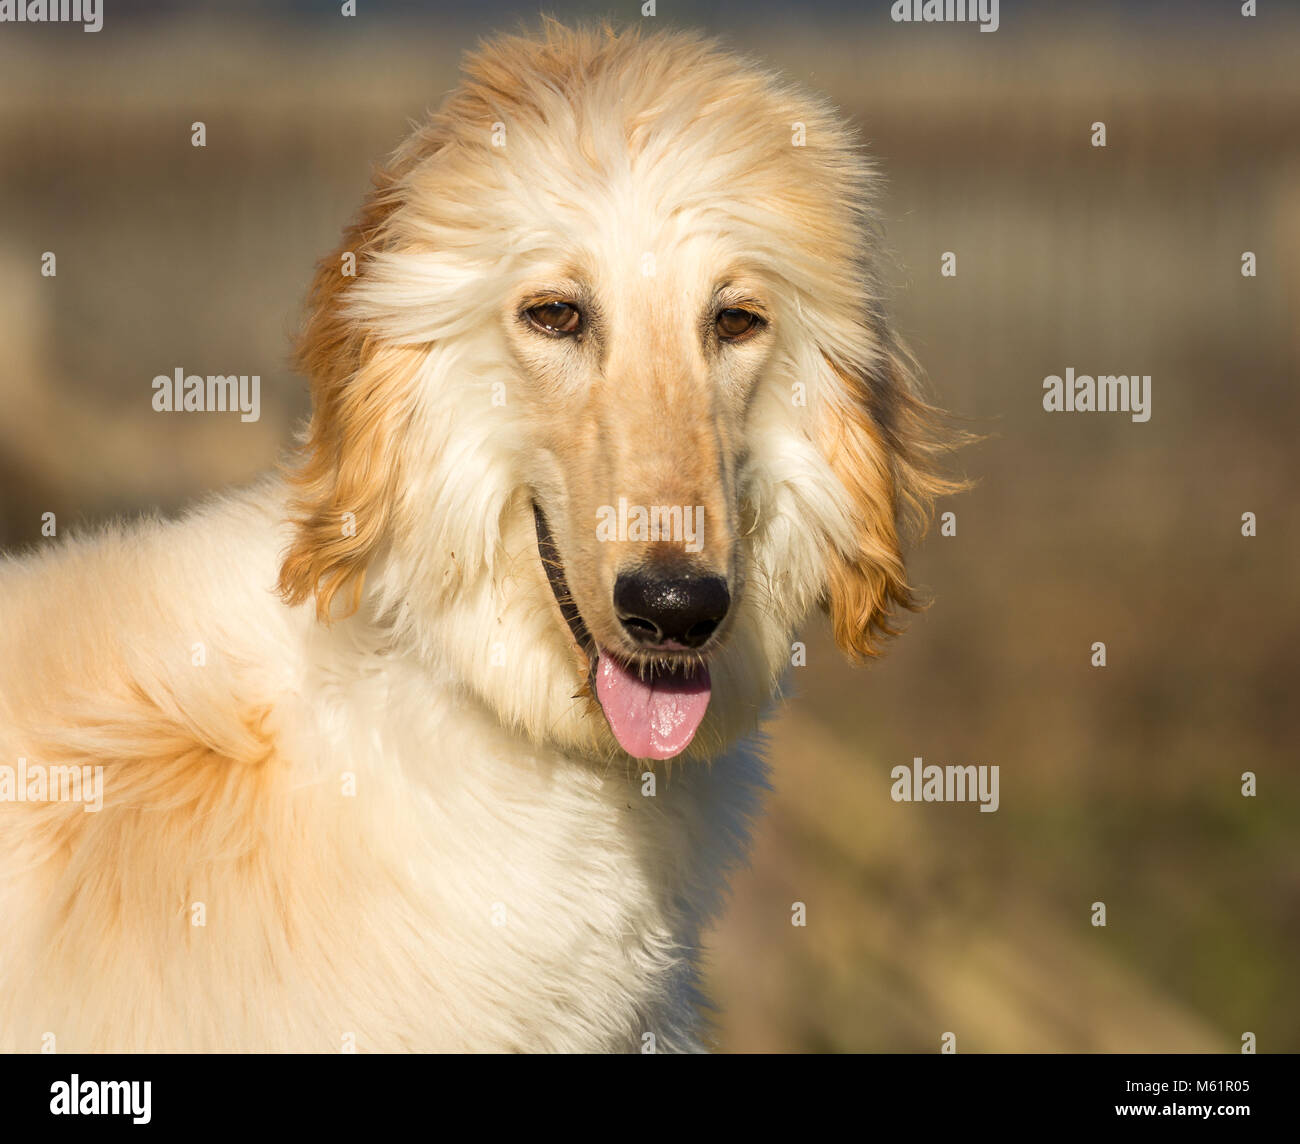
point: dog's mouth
(654, 706)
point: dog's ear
(346, 475)
(882, 442)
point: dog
(445, 736)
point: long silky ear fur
(345, 476)
(884, 443)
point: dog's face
(610, 404)
(639, 370)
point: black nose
(659, 611)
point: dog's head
(609, 403)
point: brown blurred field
(1120, 785)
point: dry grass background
(1120, 784)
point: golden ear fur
(883, 442)
(346, 475)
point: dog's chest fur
(498, 896)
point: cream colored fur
(409, 827)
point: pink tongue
(656, 718)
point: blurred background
(1121, 784)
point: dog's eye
(733, 324)
(555, 317)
